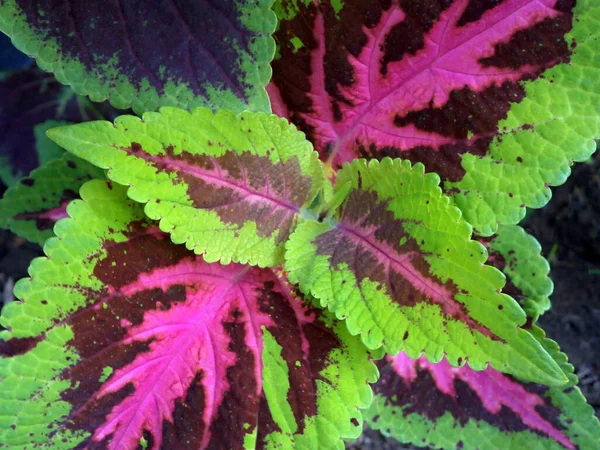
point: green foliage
(383, 260)
(231, 187)
(32, 207)
(568, 418)
(397, 263)
(518, 255)
(45, 383)
(543, 135)
(183, 70)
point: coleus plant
(230, 280)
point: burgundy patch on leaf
(500, 400)
(239, 187)
(184, 340)
(170, 349)
(32, 207)
(46, 218)
(518, 256)
(498, 260)
(376, 246)
(178, 52)
(426, 81)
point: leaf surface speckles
(444, 407)
(230, 187)
(138, 339)
(453, 84)
(518, 255)
(397, 263)
(185, 53)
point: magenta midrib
(393, 260)
(54, 214)
(104, 299)
(512, 401)
(124, 432)
(198, 173)
(549, 429)
(341, 138)
(132, 286)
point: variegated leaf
(32, 207)
(123, 340)
(440, 406)
(140, 54)
(497, 97)
(397, 262)
(231, 187)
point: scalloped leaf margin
(32, 207)
(231, 187)
(456, 85)
(123, 339)
(396, 261)
(439, 406)
(185, 53)
(518, 255)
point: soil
(568, 229)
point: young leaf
(185, 53)
(32, 207)
(231, 187)
(123, 340)
(397, 262)
(439, 406)
(442, 83)
(518, 255)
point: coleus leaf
(185, 53)
(231, 187)
(442, 83)
(32, 101)
(396, 261)
(518, 255)
(32, 207)
(122, 339)
(439, 406)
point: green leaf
(397, 263)
(552, 127)
(122, 337)
(231, 187)
(188, 53)
(442, 407)
(46, 149)
(518, 255)
(32, 207)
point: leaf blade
(140, 339)
(146, 57)
(488, 96)
(231, 187)
(31, 208)
(398, 265)
(485, 409)
(518, 255)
